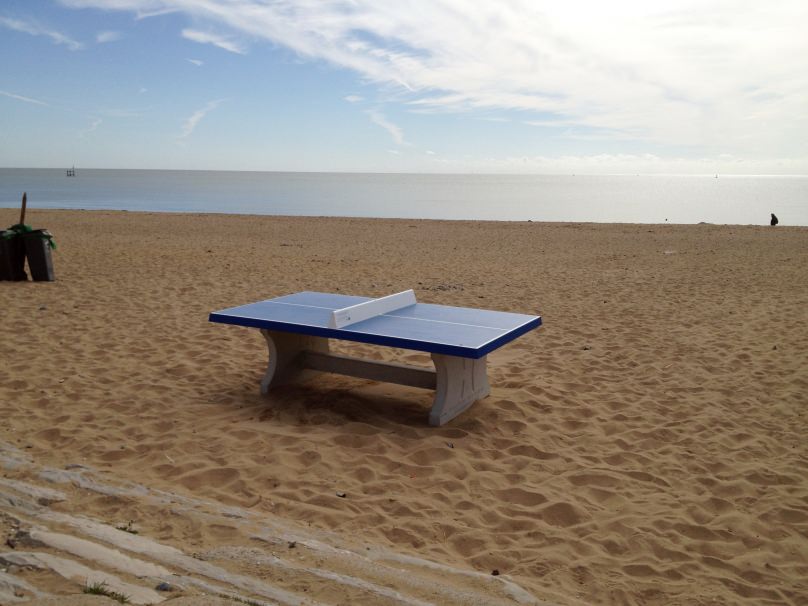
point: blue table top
(454, 331)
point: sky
(448, 86)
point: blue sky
(376, 85)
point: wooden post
(22, 211)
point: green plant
(101, 588)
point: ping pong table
(297, 328)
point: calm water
(624, 199)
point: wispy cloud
(353, 98)
(395, 132)
(214, 39)
(21, 98)
(194, 119)
(197, 62)
(92, 128)
(143, 9)
(34, 29)
(548, 123)
(708, 75)
(108, 36)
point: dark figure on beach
(774, 219)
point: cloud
(197, 62)
(214, 39)
(353, 98)
(35, 29)
(706, 75)
(92, 128)
(549, 123)
(108, 36)
(395, 132)
(21, 98)
(142, 9)
(193, 120)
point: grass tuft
(101, 588)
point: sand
(647, 445)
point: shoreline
(194, 213)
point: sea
(719, 199)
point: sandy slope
(646, 446)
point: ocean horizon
(685, 199)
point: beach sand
(647, 445)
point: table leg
(286, 357)
(460, 383)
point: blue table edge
(346, 334)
